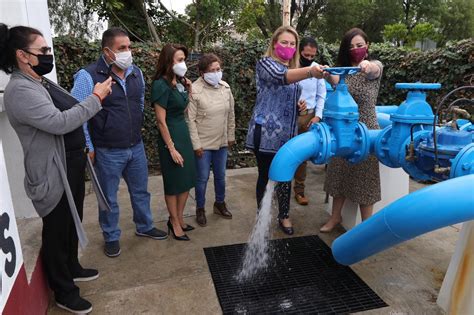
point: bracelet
(310, 75)
(170, 144)
(98, 96)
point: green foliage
(457, 20)
(421, 32)
(127, 14)
(209, 21)
(346, 14)
(452, 66)
(395, 33)
(70, 17)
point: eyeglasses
(44, 50)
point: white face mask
(180, 69)
(213, 78)
(123, 59)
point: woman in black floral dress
(360, 182)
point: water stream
(257, 250)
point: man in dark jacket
(114, 137)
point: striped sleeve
(83, 87)
(142, 97)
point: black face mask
(305, 62)
(45, 64)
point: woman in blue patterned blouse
(274, 119)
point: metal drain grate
(303, 278)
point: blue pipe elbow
(299, 149)
(423, 211)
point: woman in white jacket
(211, 122)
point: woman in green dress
(169, 96)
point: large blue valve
(413, 116)
(339, 134)
(341, 115)
(408, 142)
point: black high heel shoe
(287, 230)
(188, 228)
(178, 238)
(185, 229)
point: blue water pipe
(420, 212)
(406, 141)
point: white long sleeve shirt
(314, 93)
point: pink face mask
(284, 53)
(358, 54)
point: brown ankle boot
(220, 208)
(201, 216)
(301, 199)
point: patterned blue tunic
(275, 108)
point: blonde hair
(294, 62)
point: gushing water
(257, 253)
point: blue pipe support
(425, 210)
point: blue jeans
(131, 163)
(218, 160)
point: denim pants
(131, 164)
(218, 160)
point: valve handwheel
(418, 86)
(342, 70)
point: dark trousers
(282, 189)
(59, 243)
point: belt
(307, 112)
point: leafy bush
(452, 66)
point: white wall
(32, 13)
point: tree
(128, 14)
(69, 17)
(307, 13)
(421, 32)
(417, 11)
(206, 19)
(457, 20)
(380, 12)
(342, 15)
(395, 33)
(259, 14)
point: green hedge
(452, 66)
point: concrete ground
(172, 277)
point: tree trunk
(406, 9)
(263, 28)
(151, 27)
(286, 13)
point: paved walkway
(171, 277)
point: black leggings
(59, 252)
(282, 189)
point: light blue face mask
(213, 78)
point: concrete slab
(172, 277)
